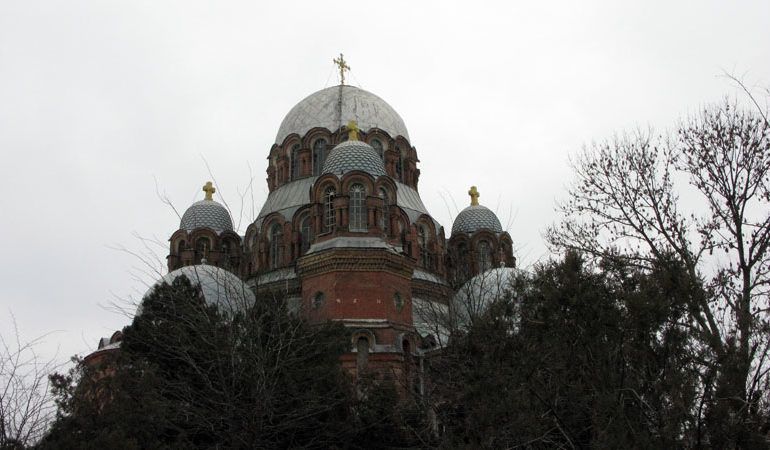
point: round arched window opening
(398, 301)
(358, 208)
(484, 256)
(318, 300)
(329, 214)
(422, 236)
(203, 246)
(295, 167)
(385, 216)
(319, 155)
(276, 235)
(362, 353)
(306, 233)
(377, 146)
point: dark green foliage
(573, 358)
(188, 375)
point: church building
(343, 234)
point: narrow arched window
(484, 256)
(180, 247)
(377, 145)
(295, 166)
(319, 156)
(306, 233)
(329, 215)
(385, 216)
(203, 246)
(358, 208)
(422, 237)
(276, 235)
(362, 353)
(400, 166)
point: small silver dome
(206, 214)
(333, 107)
(354, 155)
(219, 287)
(475, 218)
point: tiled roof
(354, 155)
(206, 214)
(474, 218)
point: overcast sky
(98, 99)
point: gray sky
(100, 98)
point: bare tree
(26, 406)
(626, 203)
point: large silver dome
(334, 107)
(206, 214)
(354, 155)
(478, 293)
(219, 287)
(475, 218)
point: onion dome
(476, 217)
(354, 155)
(332, 107)
(218, 286)
(207, 214)
(475, 296)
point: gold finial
(474, 193)
(343, 66)
(353, 130)
(209, 189)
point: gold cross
(353, 130)
(209, 189)
(474, 193)
(343, 65)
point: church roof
(354, 155)
(218, 286)
(333, 107)
(474, 218)
(206, 214)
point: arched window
(358, 208)
(319, 155)
(306, 233)
(276, 235)
(295, 166)
(329, 215)
(385, 216)
(484, 256)
(422, 237)
(203, 246)
(400, 166)
(377, 145)
(362, 353)
(180, 247)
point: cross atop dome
(353, 130)
(343, 67)
(209, 189)
(474, 193)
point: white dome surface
(475, 296)
(334, 107)
(219, 287)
